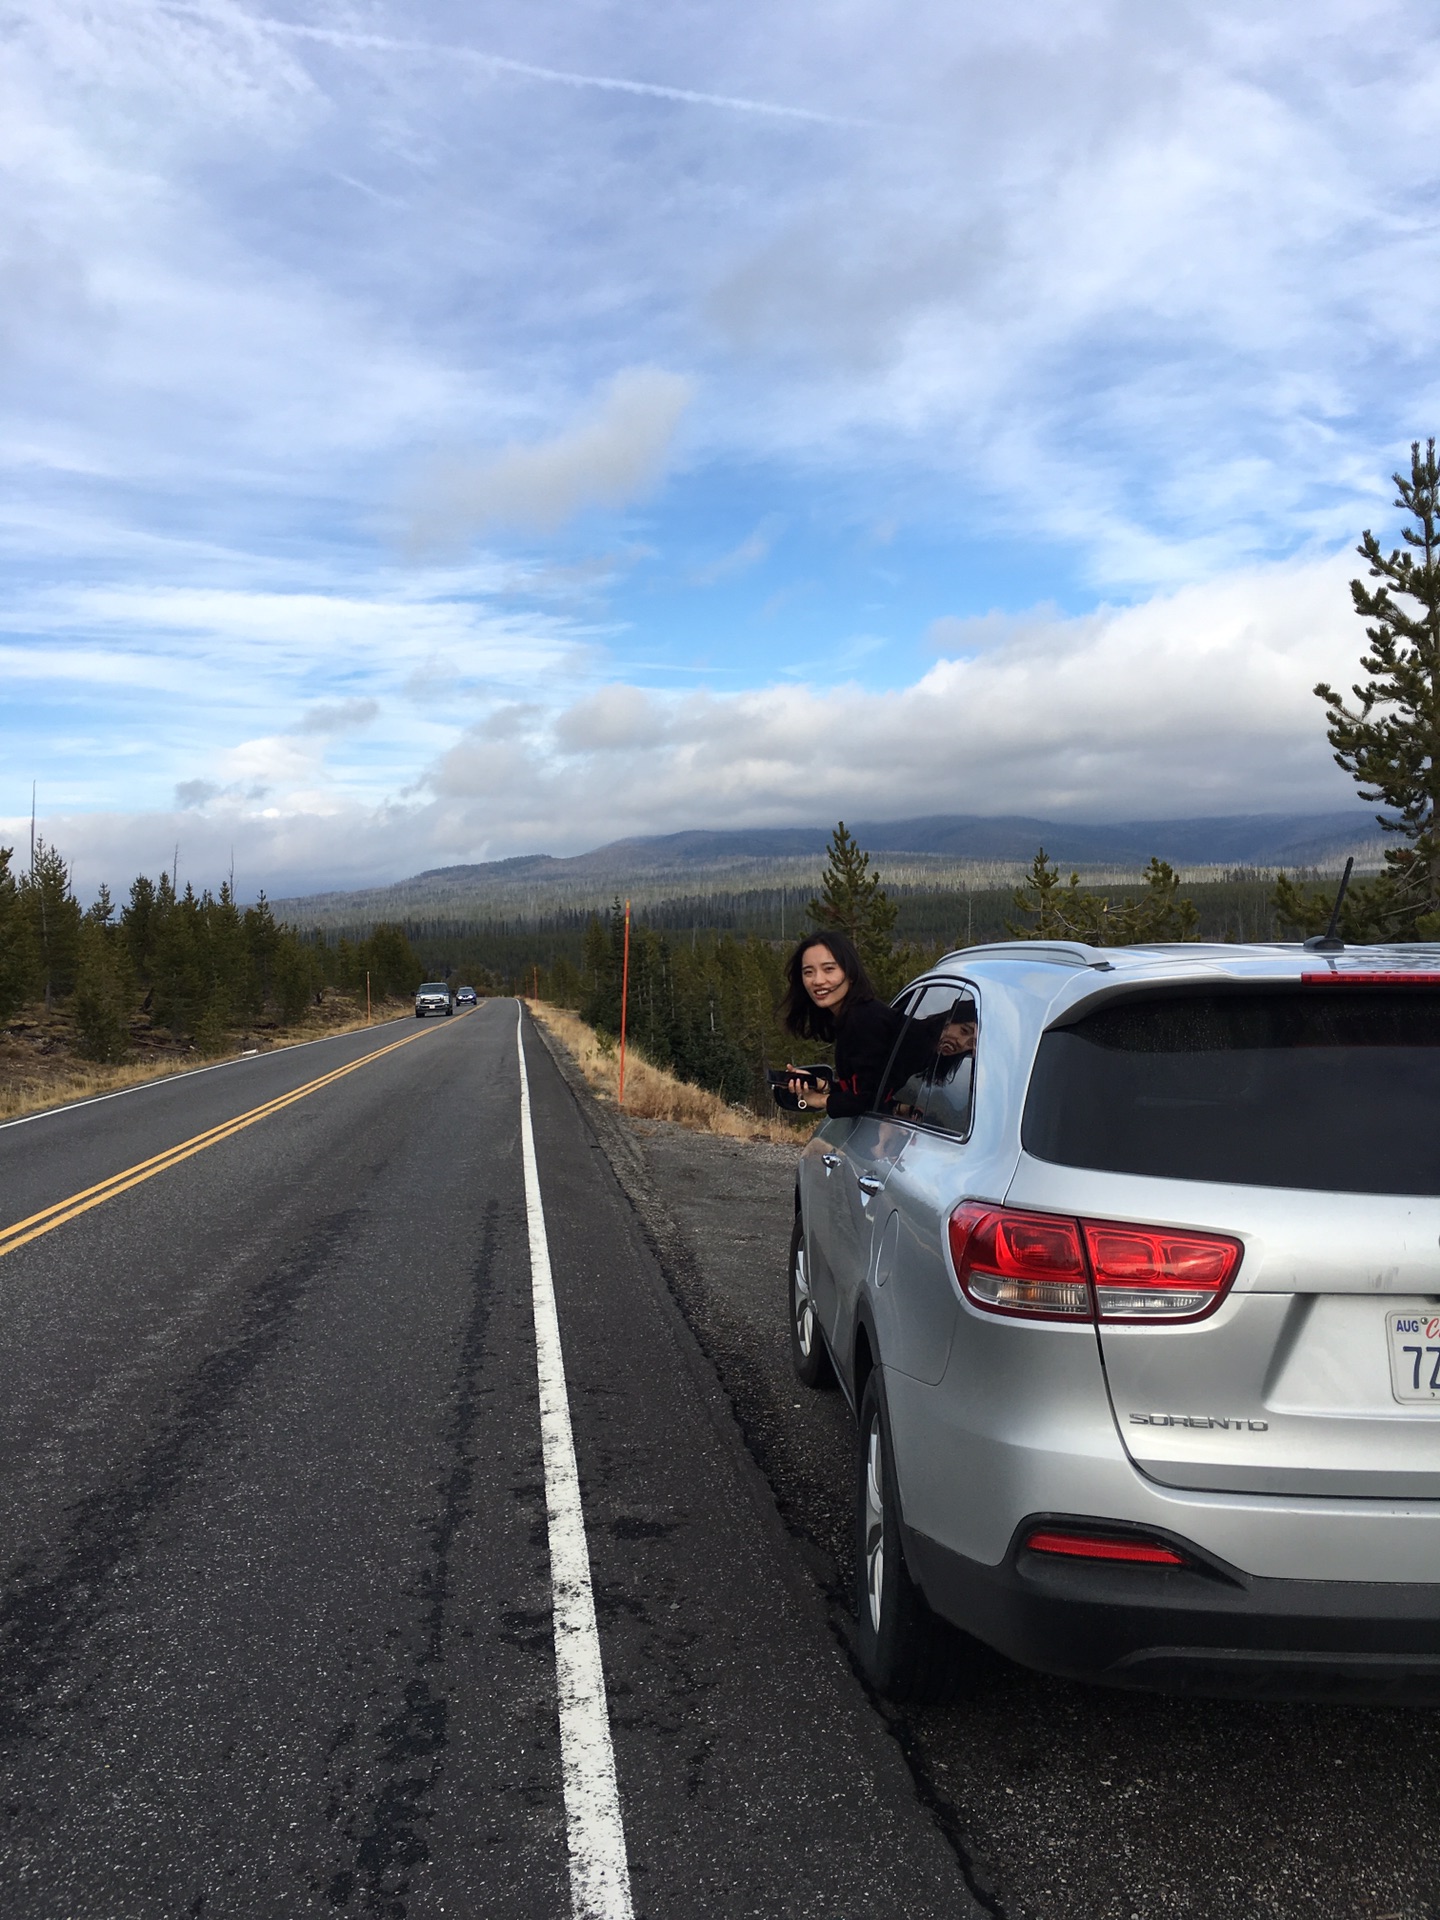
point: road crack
(394, 1842)
(46, 1618)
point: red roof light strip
(1370, 978)
(1083, 1546)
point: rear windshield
(1332, 1088)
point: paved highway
(333, 1583)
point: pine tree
(137, 919)
(395, 967)
(104, 988)
(595, 954)
(295, 979)
(562, 983)
(178, 972)
(53, 916)
(262, 946)
(852, 900)
(1389, 741)
(605, 965)
(1071, 912)
(1050, 911)
(17, 959)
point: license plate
(1414, 1341)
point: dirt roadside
(40, 1067)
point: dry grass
(653, 1094)
(39, 1067)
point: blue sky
(436, 432)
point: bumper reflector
(1085, 1546)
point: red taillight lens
(1400, 977)
(1043, 1265)
(1028, 1263)
(1086, 1546)
(1155, 1273)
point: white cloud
(1194, 702)
(612, 454)
(616, 719)
(143, 691)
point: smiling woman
(831, 998)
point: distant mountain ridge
(1258, 839)
(699, 859)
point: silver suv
(1132, 1278)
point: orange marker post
(367, 996)
(624, 1003)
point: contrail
(607, 83)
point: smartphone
(816, 1078)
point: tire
(808, 1353)
(906, 1652)
(419, 1013)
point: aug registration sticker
(1414, 1355)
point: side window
(931, 1077)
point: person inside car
(940, 1088)
(831, 998)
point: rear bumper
(1203, 1629)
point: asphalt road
(1069, 1802)
(278, 1626)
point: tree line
(195, 966)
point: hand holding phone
(798, 1089)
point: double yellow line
(24, 1231)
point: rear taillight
(1012, 1262)
(1047, 1266)
(1154, 1273)
(1101, 1546)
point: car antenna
(1329, 942)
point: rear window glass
(1332, 1088)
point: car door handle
(830, 1161)
(869, 1184)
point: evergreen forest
(179, 967)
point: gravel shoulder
(1064, 1802)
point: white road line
(599, 1869)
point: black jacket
(864, 1036)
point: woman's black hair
(798, 1011)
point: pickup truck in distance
(433, 997)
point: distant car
(1137, 1301)
(433, 997)
(466, 997)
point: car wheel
(808, 1354)
(906, 1651)
(419, 1013)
